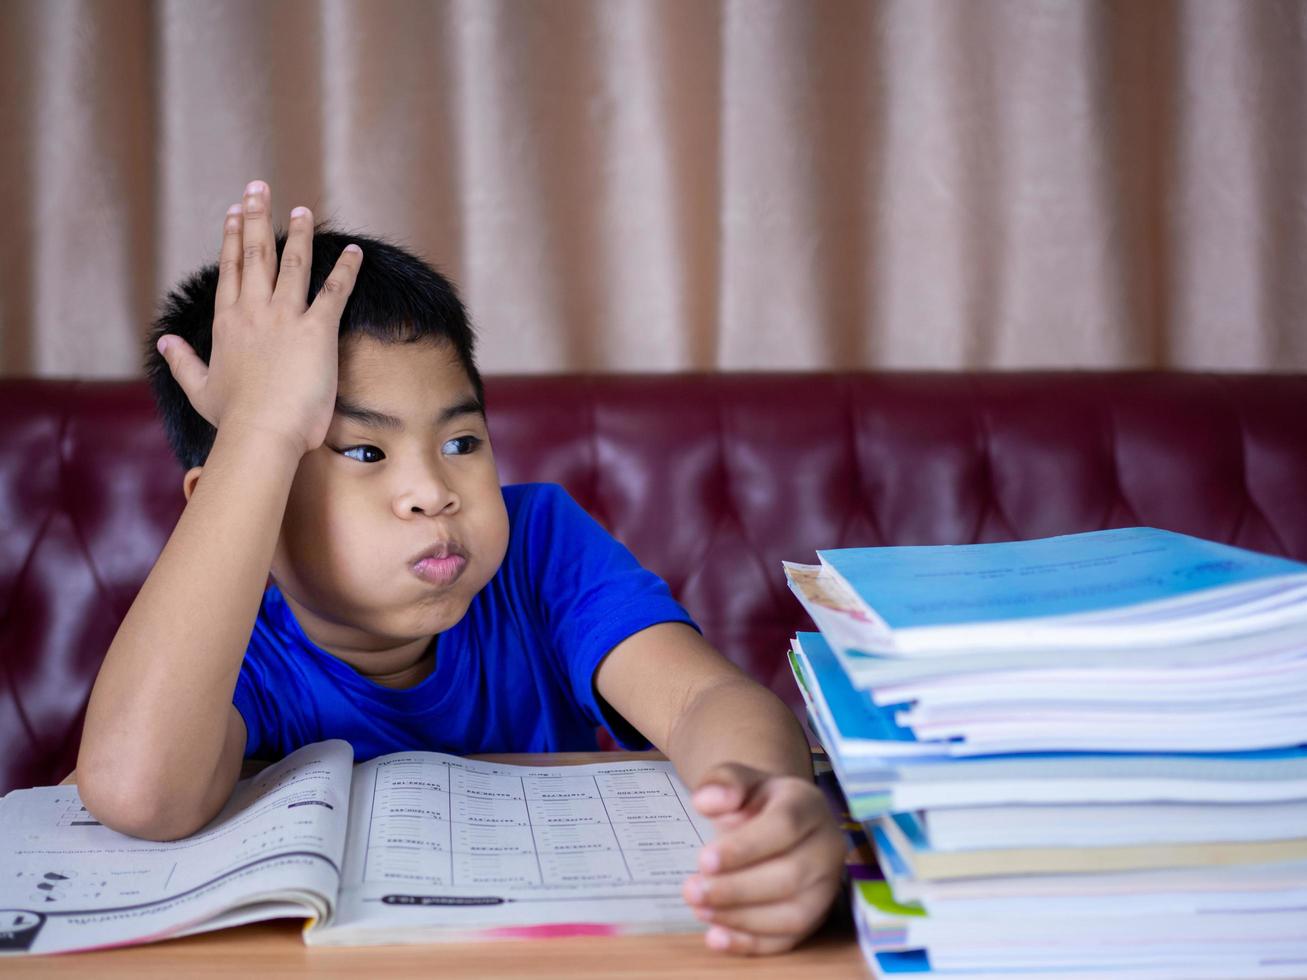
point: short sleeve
(251, 700)
(593, 594)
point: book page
(67, 882)
(443, 847)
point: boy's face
(381, 493)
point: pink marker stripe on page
(561, 930)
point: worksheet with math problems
(440, 842)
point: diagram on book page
(59, 858)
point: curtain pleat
(662, 185)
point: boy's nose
(426, 494)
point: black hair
(397, 298)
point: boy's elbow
(134, 813)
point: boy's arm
(162, 744)
(770, 875)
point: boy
(340, 449)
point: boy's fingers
(229, 260)
(185, 365)
(329, 304)
(734, 941)
(259, 251)
(296, 260)
(781, 824)
(766, 881)
(730, 820)
(794, 918)
(725, 787)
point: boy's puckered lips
(439, 564)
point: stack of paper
(1077, 755)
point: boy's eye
(364, 454)
(461, 446)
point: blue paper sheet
(942, 585)
(856, 715)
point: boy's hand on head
(773, 870)
(274, 359)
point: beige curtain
(628, 185)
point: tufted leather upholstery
(711, 480)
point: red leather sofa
(711, 480)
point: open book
(411, 847)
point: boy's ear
(191, 478)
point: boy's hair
(397, 298)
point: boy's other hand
(767, 880)
(274, 360)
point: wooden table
(275, 949)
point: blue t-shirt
(515, 674)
